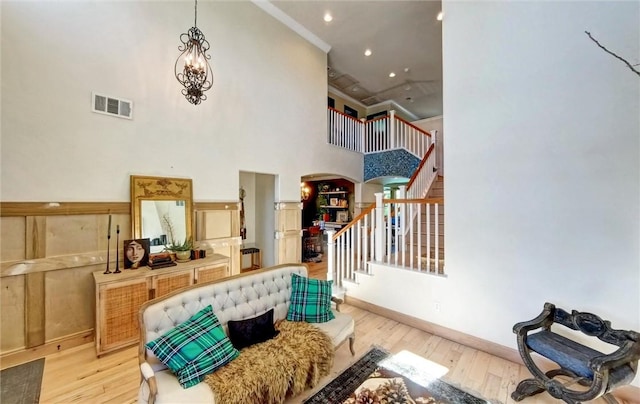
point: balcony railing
(386, 133)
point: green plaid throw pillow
(310, 300)
(198, 344)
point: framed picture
(350, 111)
(333, 201)
(342, 217)
(136, 253)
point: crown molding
(390, 103)
(284, 18)
(334, 90)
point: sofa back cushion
(236, 298)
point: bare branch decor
(612, 54)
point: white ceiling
(401, 34)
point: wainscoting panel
(288, 232)
(12, 313)
(76, 234)
(217, 224)
(12, 234)
(49, 252)
(69, 291)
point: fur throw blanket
(296, 359)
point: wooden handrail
(352, 223)
(424, 160)
(377, 119)
(413, 126)
(342, 113)
(425, 200)
(369, 208)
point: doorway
(259, 216)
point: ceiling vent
(104, 104)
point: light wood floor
(77, 376)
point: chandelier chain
(195, 19)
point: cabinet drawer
(211, 273)
(163, 284)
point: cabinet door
(212, 272)
(117, 316)
(166, 283)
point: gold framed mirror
(161, 210)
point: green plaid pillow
(310, 300)
(199, 339)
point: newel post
(379, 231)
(434, 140)
(331, 267)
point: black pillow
(251, 331)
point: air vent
(104, 104)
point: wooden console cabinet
(119, 296)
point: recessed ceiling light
(354, 89)
(392, 74)
(439, 17)
(328, 17)
(406, 70)
(367, 52)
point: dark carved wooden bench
(598, 373)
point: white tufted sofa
(234, 298)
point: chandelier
(192, 67)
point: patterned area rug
(372, 380)
(21, 384)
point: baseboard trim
(17, 357)
(626, 394)
(480, 344)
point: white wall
(265, 113)
(543, 175)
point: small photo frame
(342, 217)
(333, 201)
(136, 253)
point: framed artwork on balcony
(350, 111)
(342, 217)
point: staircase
(406, 232)
(436, 191)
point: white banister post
(434, 140)
(401, 222)
(363, 135)
(402, 192)
(379, 253)
(392, 128)
(330, 254)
